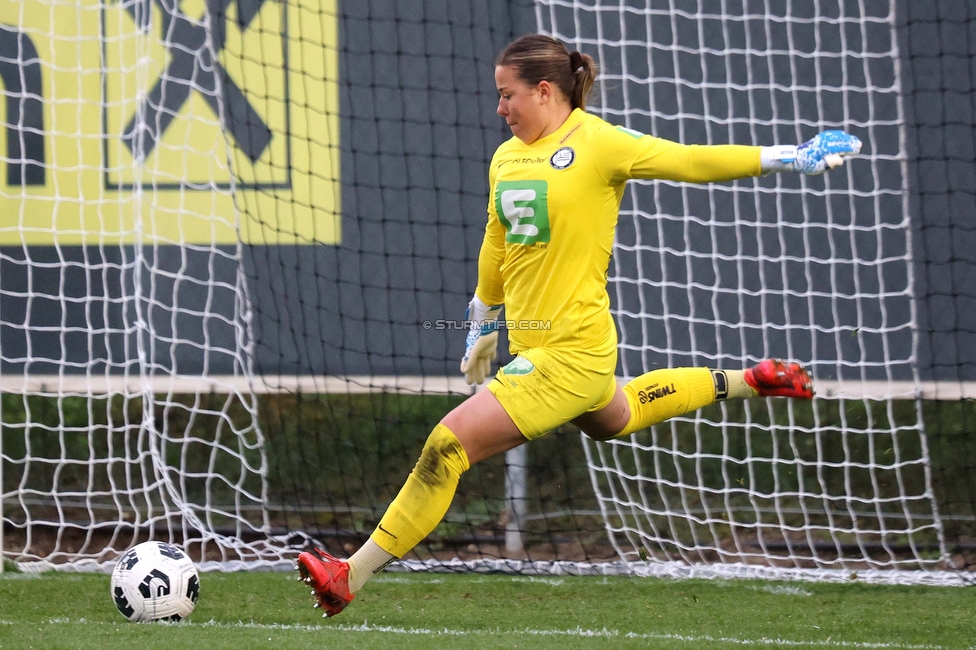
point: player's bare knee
(607, 422)
(598, 434)
(602, 425)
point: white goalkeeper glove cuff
(825, 151)
(481, 345)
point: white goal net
(129, 143)
(816, 270)
(170, 249)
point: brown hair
(537, 57)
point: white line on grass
(573, 632)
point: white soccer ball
(155, 581)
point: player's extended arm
(825, 151)
(669, 160)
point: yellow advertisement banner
(169, 121)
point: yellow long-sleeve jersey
(552, 212)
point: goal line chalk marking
(570, 632)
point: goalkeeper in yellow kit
(554, 193)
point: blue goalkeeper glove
(481, 346)
(825, 151)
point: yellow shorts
(543, 388)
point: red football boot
(329, 579)
(776, 378)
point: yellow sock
(662, 394)
(425, 497)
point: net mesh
(236, 237)
(813, 269)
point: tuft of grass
(272, 610)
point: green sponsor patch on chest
(523, 208)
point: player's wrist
(778, 158)
(481, 315)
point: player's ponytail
(537, 57)
(584, 71)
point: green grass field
(242, 611)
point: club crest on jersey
(563, 158)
